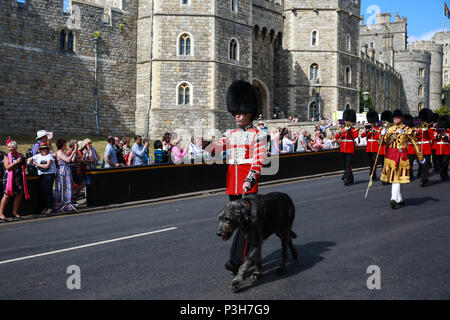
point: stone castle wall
(43, 87)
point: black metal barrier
(31, 206)
(119, 185)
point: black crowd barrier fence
(119, 185)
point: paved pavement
(340, 235)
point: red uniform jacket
(347, 138)
(411, 149)
(442, 143)
(372, 139)
(246, 151)
(425, 140)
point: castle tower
(414, 68)
(198, 48)
(321, 42)
(435, 70)
(444, 40)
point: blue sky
(425, 17)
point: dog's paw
(236, 285)
(257, 275)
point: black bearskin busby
(426, 115)
(387, 116)
(435, 118)
(372, 116)
(350, 115)
(397, 114)
(408, 120)
(241, 98)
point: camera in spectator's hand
(43, 162)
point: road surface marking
(87, 245)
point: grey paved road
(340, 236)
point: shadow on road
(419, 201)
(308, 256)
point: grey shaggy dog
(259, 216)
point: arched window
(313, 112)
(446, 75)
(62, 40)
(420, 107)
(185, 2)
(233, 50)
(348, 75)
(314, 38)
(421, 72)
(184, 93)
(70, 41)
(234, 5)
(420, 92)
(314, 72)
(184, 44)
(347, 106)
(349, 42)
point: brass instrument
(424, 126)
(348, 124)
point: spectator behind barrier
(14, 180)
(126, 149)
(160, 154)
(110, 156)
(139, 151)
(46, 165)
(64, 178)
(177, 152)
(119, 151)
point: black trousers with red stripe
(411, 158)
(425, 168)
(372, 157)
(348, 166)
(240, 246)
(443, 165)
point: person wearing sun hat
(45, 163)
(42, 136)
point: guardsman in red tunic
(442, 142)
(246, 151)
(409, 122)
(425, 138)
(347, 136)
(434, 160)
(387, 119)
(372, 132)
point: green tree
(443, 111)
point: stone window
(446, 75)
(62, 40)
(66, 6)
(348, 75)
(421, 72)
(233, 50)
(420, 107)
(314, 37)
(349, 42)
(184, 93)
(313, 111)
(186, 2)
(348, 106)
(420, 91)
(184, 44)
(234, 5)
(314, 72)
(66, 40)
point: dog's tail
(293, 235)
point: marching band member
(372, 132)
(396, 164)
(386, 117)
(409, 122)
(425, 138)
(442, 143)
(347, 136)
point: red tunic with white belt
(411, 149)
(348, 139)
(442, 143)
(372, 139)
(246, 151)
(425, 139)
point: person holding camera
(64, 178)
(139, 151)
(45, 163)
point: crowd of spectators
(62, 169)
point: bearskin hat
(408, 120)
(350, 115)
(372, 116)
(387, 116)
(397, 114)
(241, 98)
(426, 115)
(443, 122)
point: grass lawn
(26, 142)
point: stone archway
(263, 95)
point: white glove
(422, 162)
(383, 132)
